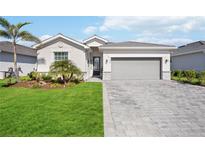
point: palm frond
(20, 25)
(26, 36)
(4, 23)
(5, 34)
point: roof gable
(94, 38)
(60, 36)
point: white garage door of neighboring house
(135, 68)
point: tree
(15, 34)
(65, 69)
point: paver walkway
(94, 79)
(153, 108)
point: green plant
(176, 73)
(10, 81)
(66, 70)
(190, 74)
(202, 77)
(14, 33)
(46, 77)
(25, 78)
(35, 75)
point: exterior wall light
(166, 60)
(106, 61)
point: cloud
(153, 24)
(44, 37)
(90, 30)
(106, 36)
(173, 30)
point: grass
(74, 111)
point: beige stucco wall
(75, 53)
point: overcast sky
(164, 30)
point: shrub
(183, 74)
(35, 75)
(46, 77)
(25, 78)
(177, 73)
(10, 81)
(190, 74)
(201, 75)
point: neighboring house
(190, 56)
(26, 58)
(97, 56)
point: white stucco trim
(188, 52)
(95, 37)
(63, 37)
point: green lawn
(74, 111)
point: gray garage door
(135, 69)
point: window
(61, 56)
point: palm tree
(15, 34)
(66, 69)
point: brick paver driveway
(153, 108)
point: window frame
(60, 57)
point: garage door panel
(135, 68)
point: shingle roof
(133, 44)
(199, 45)
(20, 49)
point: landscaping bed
(189, 76)
(40, 84)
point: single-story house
(26, 58)
(190, 56)
(97, 56)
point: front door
(96, 65)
